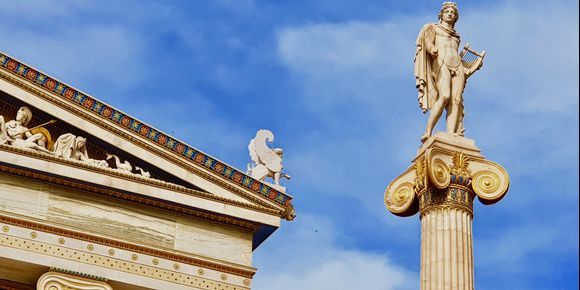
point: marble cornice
(118, 123)
(247, 272)
(153, 202)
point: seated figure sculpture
(74, 147)
(15, 132)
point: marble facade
(184, 221)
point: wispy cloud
(319, 262)
(522, 109)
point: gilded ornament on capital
(420, 174)
(489, 186)
(439, 173)
(460, 163)
(401, 198)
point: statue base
(450, 142)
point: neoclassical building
(92, 198)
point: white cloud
(33, 9)
(345, 271)
(359, 75)
(347, 63)
(531, 65)
(311, 260)
(532, 60)
(508, 249)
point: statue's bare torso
(448, 47)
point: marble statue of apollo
(441, 73)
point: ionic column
(441, 185)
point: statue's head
(24, 115)
(80, 142)
(449, 12)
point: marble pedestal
(441, 184)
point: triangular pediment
(163, 161)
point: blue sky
(333, 80)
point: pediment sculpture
(266, 161)
(15, 133)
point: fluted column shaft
(446, 239)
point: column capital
(62, 281)
(448, 170)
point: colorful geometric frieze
(120, 119)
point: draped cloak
(424, 80)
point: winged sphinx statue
(266, 161)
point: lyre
(471, 59)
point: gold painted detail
(113, 263)
(452, 197)
(460, 174)
(401, 198)
(439, 173)
(126, 246)
(488, 185)
(420, 174)
(460, 162)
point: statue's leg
(444, 89)
(277, 178)
(455, 110)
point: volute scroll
(490, 181)
(400, 196)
